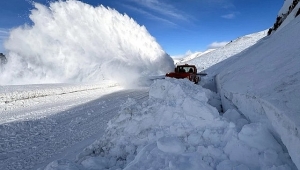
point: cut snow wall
(263, 84)
(260, 110)
(249, 106)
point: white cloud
(162, 8)
(229, 16)
(151, 16)
(215, 45)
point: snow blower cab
(185, 71)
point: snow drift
(177, 129)
(74, 42)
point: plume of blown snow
(72, 42)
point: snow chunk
(96, 163)
(256, 136)
(170, 145)
(235, 117)
(231, 165)
(63, 165)
(240, 152)
(196, 109)
(255, 147)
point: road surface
(36, 131)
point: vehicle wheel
(196, 80)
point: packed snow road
(37, 130)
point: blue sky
(177, 25)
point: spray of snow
(74, 42)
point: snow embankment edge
(34, 91)
(257, 109)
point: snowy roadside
(15, 93)
(21, 102)
(36, 131)
(177, 129)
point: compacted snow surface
(176, 128)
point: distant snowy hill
(71, 41)
(191, 56)
(211, 57)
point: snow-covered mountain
(289, 10)
(189, 56)
(211, 57)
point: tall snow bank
(263, 83)
(177, 129)
(71, 41)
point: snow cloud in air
(72, 42)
